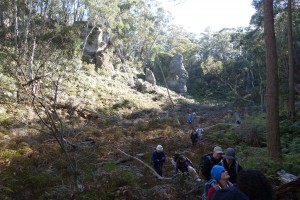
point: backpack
(189, 118)
(194, 137)
(203, 159)
(199, 132)
(207, 185)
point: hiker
(230, 163)
(231, 193)
(196, 135)
(175, 159)
(209, 160)
(190, 118)
(219, 180)
(255, 185)
(158, 158)
(185, 165)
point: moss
(110, 166)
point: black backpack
(203, 159)
(194, 137)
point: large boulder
(94, 42)
(150, 77)
(177, 75)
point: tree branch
(152, 170)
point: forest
(78, 119)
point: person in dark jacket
(255, 185)
(209, 160)
(185, 165)
(229, 162)
(158, 158)
(229, 194)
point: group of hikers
(224, 177)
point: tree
(291, 99)
(272, 100)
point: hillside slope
(100, 115)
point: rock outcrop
(97, 48)
(150, 77)
(177, 75)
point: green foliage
(160, 67)
(65, 39)
(110, 166)
(35, 183)
(291, 163)
(124, 104)
(126, 178)
(181, 179)
(255, 158)
(289, 136)
(6, 120)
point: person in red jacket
(221, 180)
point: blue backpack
(189, 118)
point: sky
(196, 15)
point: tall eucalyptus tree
(272, 100)
(291, 99)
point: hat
(229, 154)
(159, 148)
(218, 149)
(216, 172)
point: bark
(16, 27)
(272, 101)
(291, 99)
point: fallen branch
(152, 170)
(192, 190)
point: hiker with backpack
(158, 158)
(190, 118)
(230, 163)
(196, 135)
(185, 165)
(219, 180)
(209, 160)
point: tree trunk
(272, 102)
(291, 99)
(16, 26)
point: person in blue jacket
(158, 158)
(190, 118)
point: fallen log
(149, 167)
(286, 177)
(288, 191)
